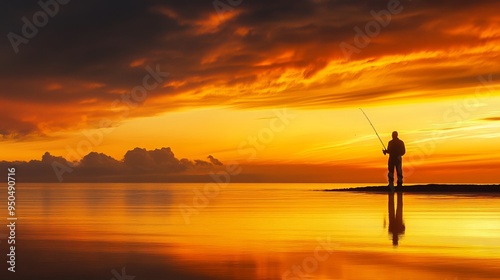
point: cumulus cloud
(214, 161)
(137, 165)
(158, 159)
(98, 160)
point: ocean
(248, 231)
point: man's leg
(399, 170)
(390, 175)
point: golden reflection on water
(264, 231)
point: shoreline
(426, 188)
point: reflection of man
(396, 150)
(396, 224)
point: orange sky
(431, 74)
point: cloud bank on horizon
(258, 54)
(141, 165)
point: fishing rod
(373, 128)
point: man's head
(394, 135)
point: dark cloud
(214, 161)
(35, 170)
(493, 119)
(92, 51)
(158, 159)
(98, 164)
(138, 165)
(13, 128)
(98, 160)
(201, 163)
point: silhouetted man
(396, 149)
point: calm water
(249, 231)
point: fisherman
(396, 149)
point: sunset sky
(266, 84)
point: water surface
(251, 231)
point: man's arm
(403, 148)
(388, 150)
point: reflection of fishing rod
(373, 128)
